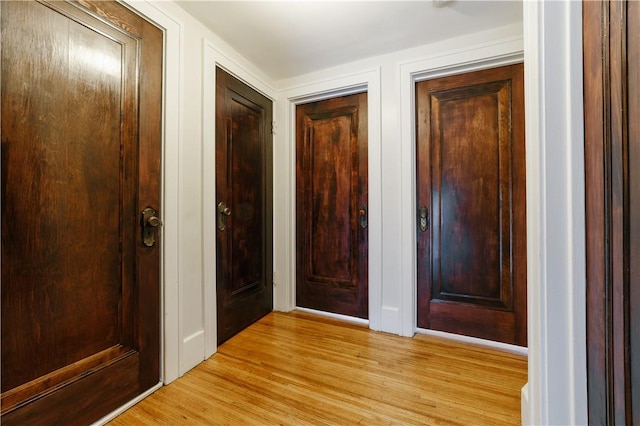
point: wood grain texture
(300, 369)
(81, 134)
(611, 48)
(244, 183)
(331, 188)
(471, 178)
(633, 70)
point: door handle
(150, 222)
(423, 218)
(364, 216)
(223, 212)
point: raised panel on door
(331, 205)
(244, 194)
(471, 189)
(80, 159)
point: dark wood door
(331, 206)
(612, 164)
(471, 204)
(244, 205)
(81, 122)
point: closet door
(612, 178)
(244, 238)
(331, 206)
(471, 204)
(81, 142)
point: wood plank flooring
(300, 369)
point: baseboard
(347, 318)
(519, 350)
(192, 351)
(115, 413)
(524, 405)
(391, 320)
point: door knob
(364, 216)
(150, 221)
(223, 212)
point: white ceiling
(290, 38)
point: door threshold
(115, 413)
(506, 347)
(347, 318)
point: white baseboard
(391, 320)
(524, 405)
(519, 350)
(334, 316)
(192, 351)
(112, 415)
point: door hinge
(273, 279)
(273, 127)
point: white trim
(524, 406)
(213, 57)
(193, 350)
(514, 349)
(284, 160)
(556, 260)
(341, 317)
(115, 413)
(172, 102)
(533, 148)
(495, 54)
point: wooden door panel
(67, 203)
(332, 226)
(245, 152)
(633, 80)
(611, 47)
(472, 319)
(243, 184)
(72, 144)
(331, 192)
(470, 171)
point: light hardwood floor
(300, 369)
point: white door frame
(556, 258)
(285, 162)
